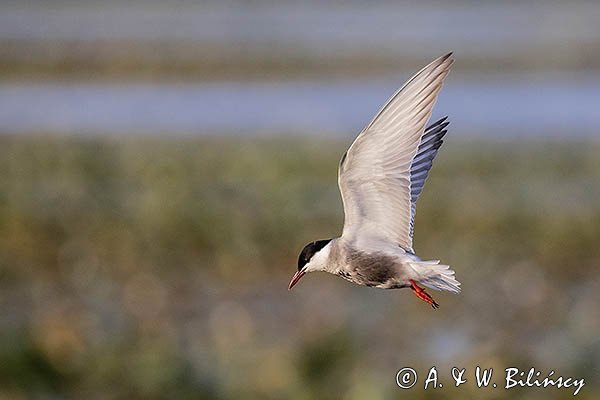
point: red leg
(422, 294)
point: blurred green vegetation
(145, 267)
(130, 60)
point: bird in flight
(380, 178)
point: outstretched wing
(383, 172)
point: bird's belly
(375, 270)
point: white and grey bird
(380, 178)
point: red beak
(296, 278)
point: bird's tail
(436, 276)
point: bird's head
(313, 257)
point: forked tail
(436, 276)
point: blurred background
(162, 163)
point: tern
(380, 178)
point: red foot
(423, 295)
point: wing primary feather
(431, 141)
(439, 61)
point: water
(490, 105)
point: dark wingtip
(448, 57)
(445, 57)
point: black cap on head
(309, 250)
